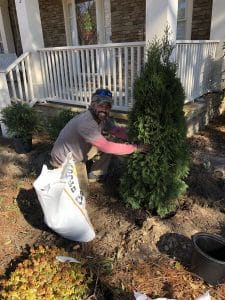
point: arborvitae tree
(156, 179)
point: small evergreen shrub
(56, 123)
(42, 276)
(21, 120)
(154, 181)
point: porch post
(159, 14)
(217, 32)
(4, 99)
(29, 21)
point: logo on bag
(72, 182)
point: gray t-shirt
(75, 137)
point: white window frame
(187, 19)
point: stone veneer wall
(52, 19)
(128, 20)
(201, 19)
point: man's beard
(102, 115)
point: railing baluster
(18, 79)
(11, 78)
(132, 75)
(138, 61)
(43, 73)
(25, 81)
(59, 82)
(83, 70)
(93, 70)
(109, 64)
(46, 74)
(50, 74)
(67, 91)
(62, 75)
(56, 94)
(120, 76)
(103, 66)
(126, 76)
(88, 74)
(70, 74)
(78, 54)
(98, 68)
(74, 74)
(114, 75)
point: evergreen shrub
(21, 120)
(56, 123)
(155, 180)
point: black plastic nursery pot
(208, 257)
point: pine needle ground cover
(155, 180)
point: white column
(29, 21)
(218, 20)
(31, 34)
(159, 14)
(217, 32)
(100, 21)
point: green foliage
(88, 26)
(42, 276)
(155, 180)
(56, 123)
(21, 120)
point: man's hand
(143, 148)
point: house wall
(201, 19)
(52, 19)
(128, 20)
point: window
(184, 19)
(87, 21)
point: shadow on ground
(31, 209)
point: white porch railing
(71, 74)
(19, 79)
(196, 61)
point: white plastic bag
(63, 205)
(206, 296)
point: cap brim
(102, 99)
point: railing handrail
(111, 45)
(197, 41)
(128, 44)
(15, 63)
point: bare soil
(133, 250)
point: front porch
(70, 75)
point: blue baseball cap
(102, 96)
